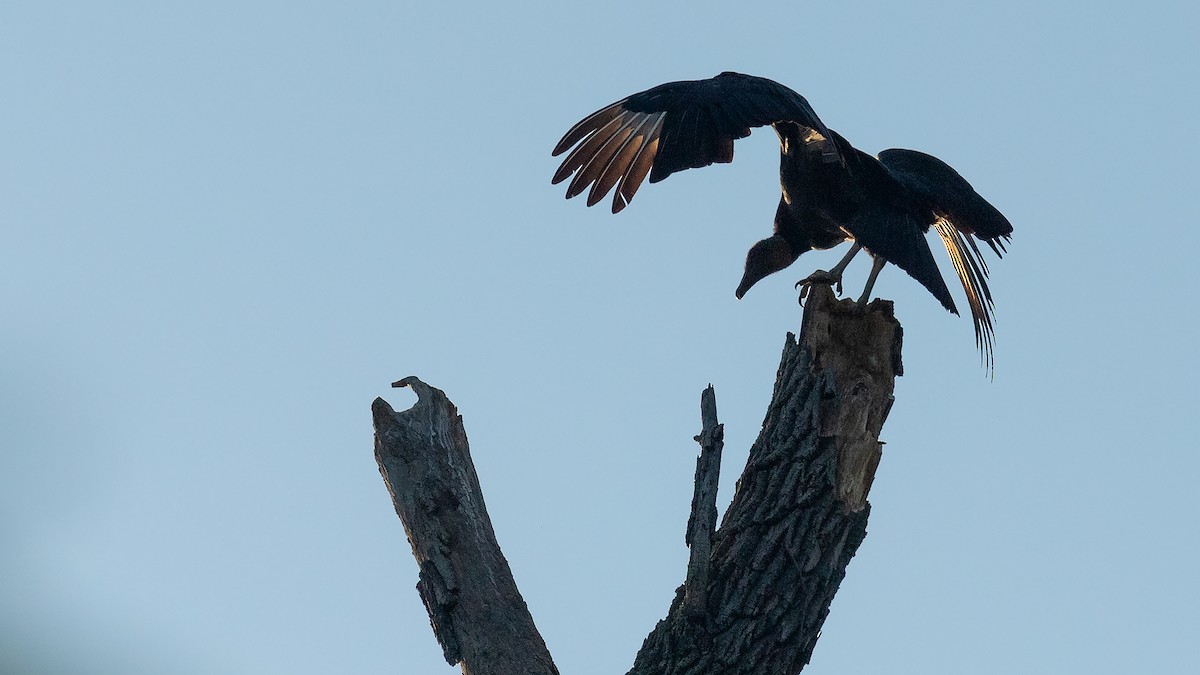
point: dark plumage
(832, 192)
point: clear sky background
(226, 227)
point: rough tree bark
(477, 613)
(756, 602)
(800, 509)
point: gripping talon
(833, 279)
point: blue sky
(227, 227)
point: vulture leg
(833, 276)
(875, 267)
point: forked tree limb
(756, 602)
(800, 509)
(477, 613)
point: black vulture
(832, 192)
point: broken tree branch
(703, 520)
(477, 613)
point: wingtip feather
(973, 274)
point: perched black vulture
(832, 192)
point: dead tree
(757, 590)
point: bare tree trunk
(800, 509)
(756, 603)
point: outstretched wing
(962, 216)
(672, 127)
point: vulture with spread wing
(832, 192)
